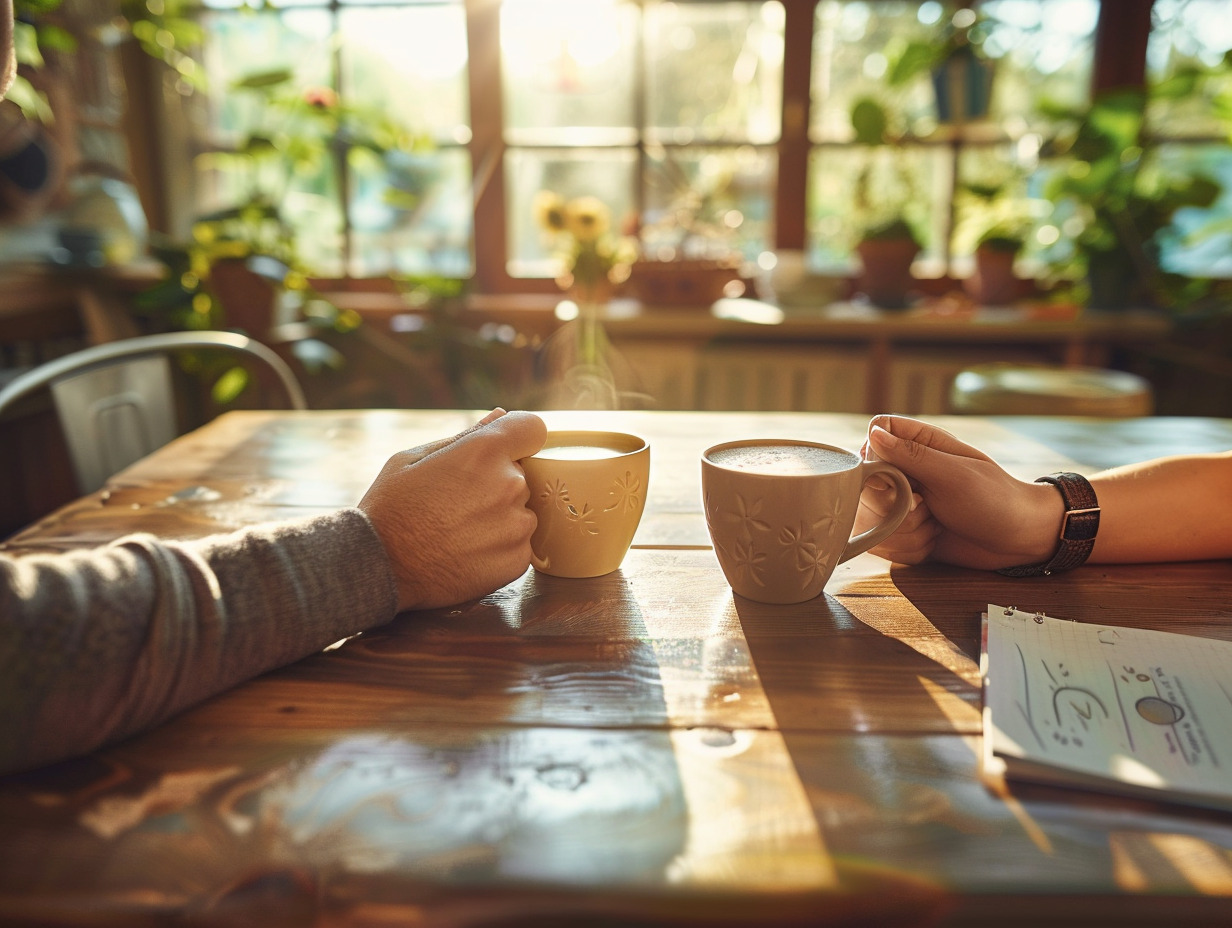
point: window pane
(606, 174)
(708, 203)
(1199, 243)
(245, 43)
(569, 66)
(292, 169)
(1188, 36)
(853, 187)
(1044, 50)
(853, 42)
(308, 204)
(714, 71)
(411, 213)
(411, 62)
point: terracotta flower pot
(886, 279)
(685, 282)
(993, 282)
(248, 297)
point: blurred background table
(640, 748)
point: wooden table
(637, 748)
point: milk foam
(790, 460)
(578, 453)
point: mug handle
(902, 505)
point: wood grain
(639, 748)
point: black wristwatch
(1078, 527)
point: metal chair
(1010, 389)
(115, 401)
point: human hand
(967, 510)
(452, 514)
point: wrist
(1074, 537)
(1042, 527)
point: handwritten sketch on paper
(1079, 703)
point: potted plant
(960, 73)
(1122, 202)
(688, 255)
(887, 250)
(995, 216)
(886, 237)
(993, 281)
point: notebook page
(1148, 708)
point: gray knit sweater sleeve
(97, 645)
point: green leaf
(916, 58)
(33, 103)
(1201, 192)
(34, 9)
(258, 145)
(1180, 84)
(1057, 111)
(57, 39)
(401, 199)
(229, 386)
(26, 45)
(263, 80)
(869, 119)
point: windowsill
(932, 318)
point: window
(1188, 115)
(666, 112)
(1041, 50)
(731, 118)
(360, 204)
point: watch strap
(1078, 527)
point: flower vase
(590, 378)
(577, 358)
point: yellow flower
(549, 211)
(587, 218)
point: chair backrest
(115, 401)
(1011, 389)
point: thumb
(420, 452)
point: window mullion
(790, 206)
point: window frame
(1121, 36)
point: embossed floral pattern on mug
(625, 491)
(588, 490)
(806, 544)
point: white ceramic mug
(780, 513)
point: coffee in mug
(588, 491)
(780, 513)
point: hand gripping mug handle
(902, 505)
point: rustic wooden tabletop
(638, 748)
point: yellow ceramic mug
(588, 490)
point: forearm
(1170, 509)
(97, 645)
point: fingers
(915, 436)
(512, 435)
(915, 538)
(914, 546)
(492, 416)
(419, 452)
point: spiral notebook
(1120, 710)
